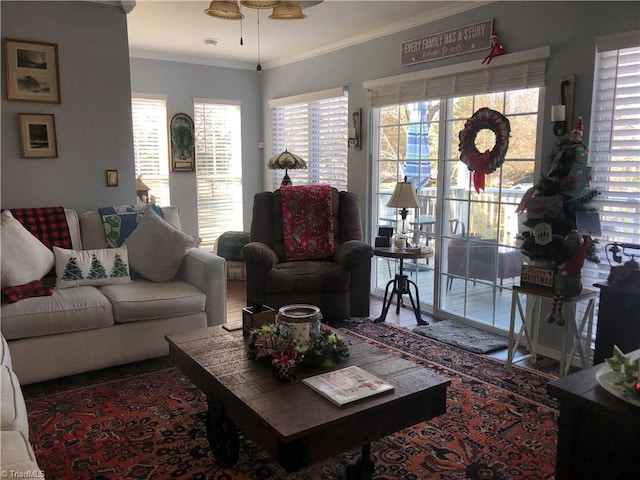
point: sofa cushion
(67, 310)
(104, 266)
(17, 456)
(24, 257)
(307, 276)
(13, 414)
(157, 249)
(144, 300)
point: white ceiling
(175, 30)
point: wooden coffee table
(295, 425)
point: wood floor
(236, 301)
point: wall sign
(457, 41)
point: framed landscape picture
(31, 70)
(38, 135)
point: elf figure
(496, 48)
(568, 282)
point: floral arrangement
(323, 350)
(628, 372)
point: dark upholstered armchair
(339, 285)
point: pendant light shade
(259, 4)
(226, 10)
(287, 11)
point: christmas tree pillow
(106, 266)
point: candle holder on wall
(355, 131)
(561, 114)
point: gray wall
(93, 122)
(569, 28)
(181, 82)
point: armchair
(339, 285)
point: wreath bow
(479, 164)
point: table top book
(347, 385)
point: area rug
(464, 336)
(147, 421)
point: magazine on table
(347, 385)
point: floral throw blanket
(120, 221)
(307, 222)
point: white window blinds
(150, 147)
(218, 168)
(508, 72)
(316, 130)
(614, 140)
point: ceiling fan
(282, 10)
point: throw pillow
(31, 289)
(157, 249)
(24, 257)
(105, 266)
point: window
(315, 127)
(150, 146)
(614, 146)
(218, 168)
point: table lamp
(404, 197)
(286, 161)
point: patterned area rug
(147, 421)
(464, 336)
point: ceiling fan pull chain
(259, 67)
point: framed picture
(183, 143)
(31, 70)
(112, 178)
(38, 135)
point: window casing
(150, 146)
(218, 168)
(317, 131)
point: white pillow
(157, 249)
(105, 266)
(24, 257)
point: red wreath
(483, 163)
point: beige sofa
(84, 328)
(17, 459)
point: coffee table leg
(363, 469)
(222, 434)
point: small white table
(571, 331)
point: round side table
(401, 283)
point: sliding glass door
(473, 232)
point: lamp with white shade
(404, 197)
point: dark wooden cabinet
(618, 321)
(598, 433)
